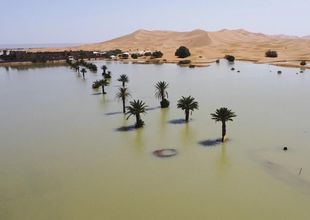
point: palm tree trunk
(103, 92)
(124, 108)
(123, 84)
(223, 130)
(137, 120)
(186, 115)
(83, 75)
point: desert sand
(207, 47)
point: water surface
(62, 155)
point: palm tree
(124, 79)
(187, 104)
(83, 72)
(223, 115)
(77, 68)
(136, 108)
(104, 69)
(161, 93)
(123, 94)
(103, 83)
(108, 75)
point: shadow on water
(114, 113)
(212, 142)
(178, 121)
(97, 93)
(126, 128)
(153, 108)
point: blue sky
(82, 21)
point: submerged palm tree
(103, 83)
(136, 108)
(161, 93)
(83, 72)
(124, 79)
(187, 104)
(123, 94)
(104, 69)
(77, 68)
(223, 115)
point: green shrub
(134, 56)
(164, 103)
(271, 53)
(182, 52)
(157, 54)
(230, 58)
(184, 62)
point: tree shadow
(179, 121)
(153, 108)
(97, 93)
(114, 113)
(126, 128)
(212, 142)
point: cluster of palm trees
(137, 107)
(77, 63)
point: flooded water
(63, 157)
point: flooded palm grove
(65, 155)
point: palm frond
(160, 89)
(123, 93)
(187, 103)
(223, 114)
(136, 107)
(123, 78)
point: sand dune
(208, 46)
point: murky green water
(61, 156)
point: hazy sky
(81, 21)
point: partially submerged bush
(182, 52)
(164, 103)
(139, 124)
(124, 56)
(96, 84)
(184, 62)
(271, 53)
(230, 58)
(303, 63)
(157, 54)
(134, 56)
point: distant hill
(210, 45)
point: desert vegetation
(136, 108)
(122, 95)
(271, 53)
(187, 104)
(162, 94)
(223, 115)
(182, 52)
(230, 58)
(42, 57)
(124, 79)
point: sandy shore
(207, 47)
